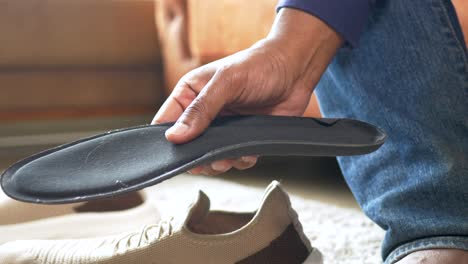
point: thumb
(199, 114)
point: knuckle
(178, 89)
(225, 69)
(228, 74)
(199, 109)
(185, 81)
(196, 79)
(190, 75)
(193, 75)
(229, 77)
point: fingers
(201, 111)
(169, 112)
(244, 163)
(222, 166)
(212, 169)
(180, 98)
(196, 170)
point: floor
(310, 177)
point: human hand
(276, 76)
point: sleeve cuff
(347, 17)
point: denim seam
(447, 242)
(449, 24)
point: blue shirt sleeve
(347, 17)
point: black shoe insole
(130, 159)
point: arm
(276, 76)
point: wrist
(304, 38)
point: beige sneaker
(270, 235)
(19, 221)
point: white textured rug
(342, 235)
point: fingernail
(196, 170)
(154, 121)
(219, 166)
(249, 159)
(178, 129)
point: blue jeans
(410, 77)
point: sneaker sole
(315, 257)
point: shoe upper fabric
(198, 238)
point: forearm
(308, 43)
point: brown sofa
(78, 57)
(86, 57)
